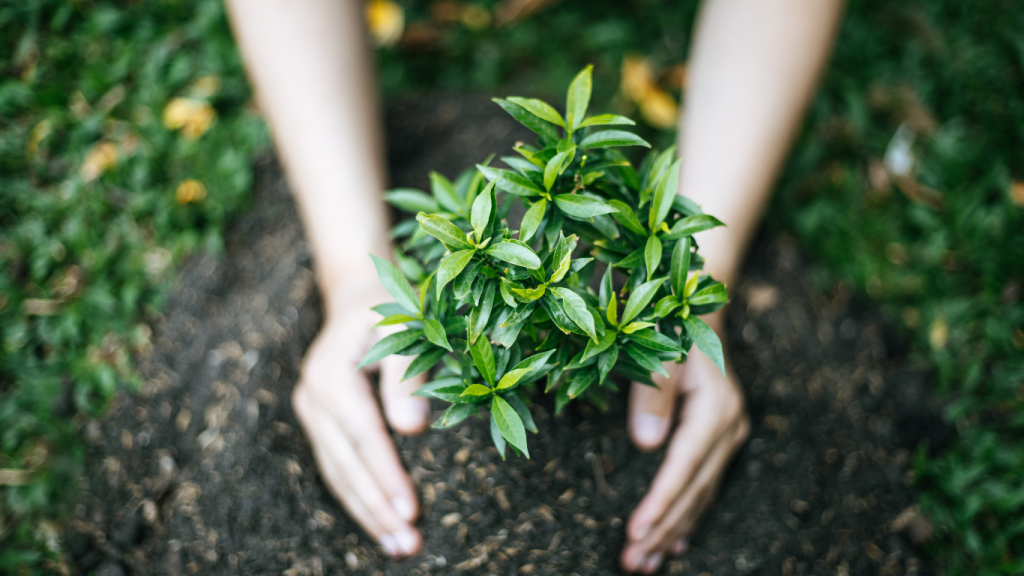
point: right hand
(335, 403)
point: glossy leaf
(523, 411)
(652, 255)
(496, 437)
(596, 347)
(558, 163)
(646, 359)
(532, 219)
(680, 265)
(454, 416)
(514, 254)
(389, 345)
(449, 234)
(451, 266)
(539, 108)
(706, 340)
(607, 120)
(639, 299)
(578, 98)
(606, 361)
(691, 225)
(579, 206)
(480, 215)
(444, 192)
(434, 332)
(477, 390)
(663, 196)
(412, 201)
(511, 182)
(655, 341)
(509, 424)
(576, 309)
(528, 119)
(397, 285)
(395, 319)
(424, 362)
(607, 138)
(713, 294)
(634, 326)
(446, 389)
(624, 215)
(581, 380)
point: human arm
(752, 71)
(312, 71)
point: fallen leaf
(1017, 193)
(190, 190)
(637, 79)
(193, 117)
(101, 157)
(659, 109)
(939, 334)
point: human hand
(335, 403)
(713, 424)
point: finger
(650, 410)
(359, 416)
(406, 413)
(352, 481)
(693, 438)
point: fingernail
(679, 547)
(639, 564)
(403, 507)
(406, 541)
(648, 428)
(653, 562)
(408, 413)
(390, 545)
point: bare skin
(753, 69)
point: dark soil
(207, 471)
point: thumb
(650, 410)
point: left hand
(713, 425)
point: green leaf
(624, 215)
(451, 266)
(454, 416)
(639, 299)
(634, 326)
(578, 98)
(510, 182)
(434, 332)
(528, 119)
(613, 310)
(606, 120)
(390, 344)
(512, 377)
(514, 254)
(666, 305)
(581, 380)
(532, 219)
(529, 294)
(477, 390)
(646, 359)
(396, 319)
(562, 267)
(655, 341)
(705, 339)
(680, 265)
(509, 424)
(576, 309)
(411, 200)
(496, 437)
(558, 163)
(581, 207)
(397, 285)
(606, 293)
(449, 234)
(711, 295)
(446, 194)
(447, 389)
(606, 361)
(424, 362)
(663, 197)
(481, 314)
(652, 255)
(596, 347)
(520, 314)
(634, 259)
(691, 225)
(506, 295)
(483, 357)
(533, 363)
(481, 212)
(521, 409)
(607, 138)
(691, 286)
(539, 108)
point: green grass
(101, 254)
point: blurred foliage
(126, 141)
(95, 203)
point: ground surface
(207, 470)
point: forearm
(312, 71)
(753, 69)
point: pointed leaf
(449, 234)
(447, 389)
(596, 347)
(397, 285)
(412, 201)
(451, 266)
(612, 312)
(532, 219)
(646, 359)
(606, 293)
(454, 416)
(528, 119)
(655, 341)
(691, 225)
(476, 390)
(652, 255)
(705, 339)
(396, 319)
(607, 120)
(481, 212)
(663, 197)
(445, 193)
(514, 254)
(607, 138)
(509, 424)
(511, 182)
(634, 326)
(496, 437)
(557, 165)
(390, 345)
(666, 306)
(512, 377)
(483, 357)
(606, 361)
(539, 108)
(578, 98)
(639, 299)
(680, 265)
(434, 332)
(581, 207)
(424, 362)
(576, 309)
(581, 380)
(529, 294)
(624, 215)
(481, 314)
(711, 295)
(533, 363)
(521, 409)
(691, 285)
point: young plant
(505, 311)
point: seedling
(507, 311)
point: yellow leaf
(939, 334)
(1017, 193)
(637, 78)
(659, 109)
(102, 157)
(190, 190)
(42, 130)
(386, 21)
(193, 117)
